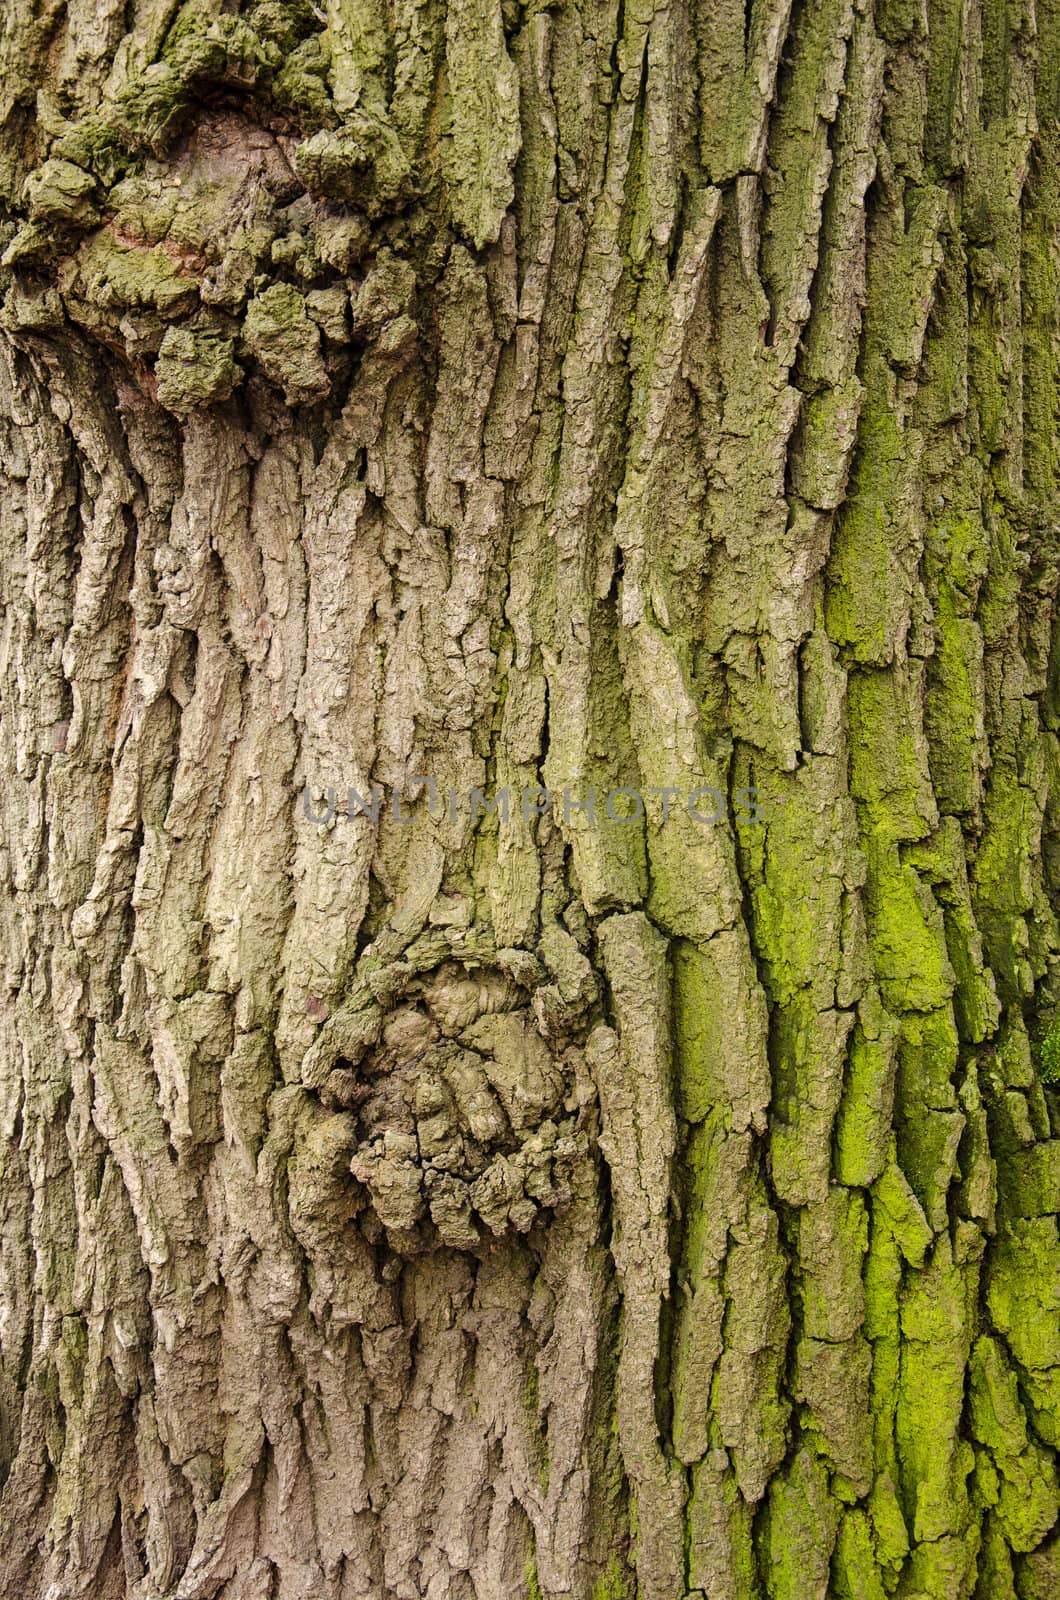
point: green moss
(145, 208)
(953, 708)
(933, 1459)
(614, 1583)
(1041, 1391)
(1028, 1498)
(798, 1530)
(795, 901)
(1049, 1055)
(203, 51)
(975, 999)
(807, 1048)
(819, 468)
(866, 586)
(115, 276)
(863, 1126)
(907, 932)
(997, 1416)
(977, 1191)
(301, 86)
(483, 124)
(96, 144)
(60, 192)
(1039, 1573)
(1002, 878)
(1023, 1289)
(856, 1573)
(285, 23)
(1029, 1180)
(832, 1241)
(995, 1580)
(699, 1307)
(888, 1524)
(942, 1569)
(904, 1215)
(889, 768)
(929, 1122)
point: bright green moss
(798, 1530)
(1049, 1055)
(856, 1574)
(996, 1580)
(613, 1583)
(907, 933)
(1023, 1289)
(863, 1125)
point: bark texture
(588, 395)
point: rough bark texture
(586, 394)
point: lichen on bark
(423, 1200)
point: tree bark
(486, 399)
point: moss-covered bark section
(419, 1198)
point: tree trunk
(427, 1171)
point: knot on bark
(471, 1099)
